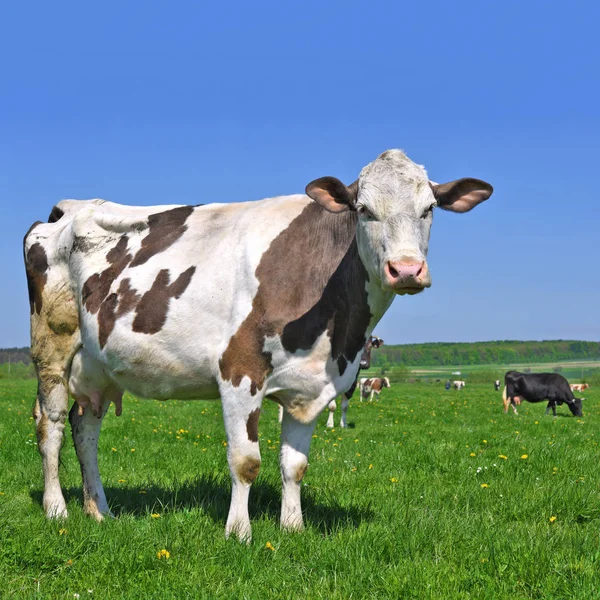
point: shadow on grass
(212, 494)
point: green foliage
(394, 505)
(487, 376)
(485, 353)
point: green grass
(394, 505)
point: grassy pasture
(429, 494)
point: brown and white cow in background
(579, 387)
(269, 299)
(371, 386)
(365, 363)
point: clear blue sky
(190, 102)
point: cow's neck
(349, 304)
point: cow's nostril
(393, 271)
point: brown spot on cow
(36, 265)
(97, 287)
(128, 297)
(248, 469)
(151, 312)
(114, 306)
(252, 425)
(311, 280)
(301, 472)
(164, 229)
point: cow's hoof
(56, 511)
(241, 531)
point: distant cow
(458, 385)
(539, 387)
(365, 363)
(579, 387)
(497, 385)
(372, 386)
(272, 299)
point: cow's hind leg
(85, 422)
(293, 462)
(343, 420)
(50, 413)
(241, 412)
(331, 408)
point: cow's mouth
(410, 290)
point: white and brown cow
(458, 385)
(269, 299)
(371, 386)
(579, 387)
(365, 363)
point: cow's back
(162, 291)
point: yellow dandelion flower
(552, 518)
(485, 441)
(358, 454)
(502, 456)
(63, 531)
(524, 456)
(370, 466)
(224, 443)
(155, 516)
(269, 546)
(484, 485)
(114, 449)
(472, 454)
(69, 563)
(163, 554)
(121, 480)
(133, 449)
(393, 480)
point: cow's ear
(461, 195)
(332, 194)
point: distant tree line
(15, 355)
(443, 354)
(485, 353)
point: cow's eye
(428, 212)
(363, 211)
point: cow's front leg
(241, 412)
(331, 407)
(86, 419)
(293, 462)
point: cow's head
(575, 407)
(386, 382)
(395, 200)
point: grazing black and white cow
(539, 387)
(371, 386)
(365, 363)
(497, 385)
(269, 299)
